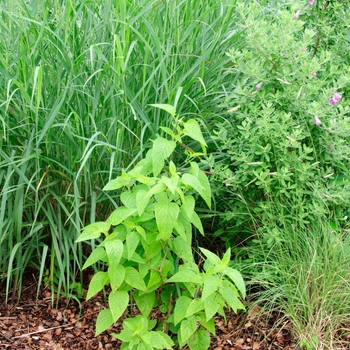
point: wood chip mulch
(37, 324)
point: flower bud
(258, 86)
(317, 121)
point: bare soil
(31, 323)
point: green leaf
(104, 321)
(114, 249)
(188, 206)
(145, 301)
(144, 346)
(118, 302)
(187, 328)
(196, 221)
(195, 306)
(114, 184)
(205, 189)
(165, 107)
(191, 181)
(166, 215)
(201, 340)
(211, 306)
(209, 325)
(180, 310)
(154, 280)
(128, 199)
(230, 297)
(210, 286)
(157, 340)
(116, 275)
(132, 241)
(142, 200)
(93, 231)
(237, 279)
(214, 259)
(98, 281)
(185, 275)
(226, 258)
(125, 335)
(133, 278)
(193, 130)
(182, 249)
(119, 215)
(162, 149)
(97, 254)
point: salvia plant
(286, 133)
(147, 250)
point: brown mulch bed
(37, 324)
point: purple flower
(258, 86)
(333, 101)
(317, 121)
(296, 16)
(314, 74)
(311, 2)
(337, 97)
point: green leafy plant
(285, 134)
(147, 248)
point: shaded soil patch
(37, 324)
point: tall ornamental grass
(77, 78)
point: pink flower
(314, 74)
(317, 121)
(331, 147)
(337, 97)
(311, 2)
(296, 16)
(258, 86)
(333, 101)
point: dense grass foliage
(77, 79)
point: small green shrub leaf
(194, 307)
(104, 321)
(180, 310)
(142, 200)
(230, 297)
(114, 249)
(118, 301)
(201, 340)
(157, 340)
(196, 221)
(162, 149)
(114, 184)
(116, 275)
(214, 259)
(97, 254)
(187, 328)
(211, 306)
(165, 107)
(193, 130)
(192, 181)
(134, 279)
(209, 325)
(119, 215)
(145, 301)
(98, 281)
(210, 286)
(237, 279)
(186, 276)
(132, 241)
(93, 231)
(166, 215)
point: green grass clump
(305, 275)
(77, 79)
